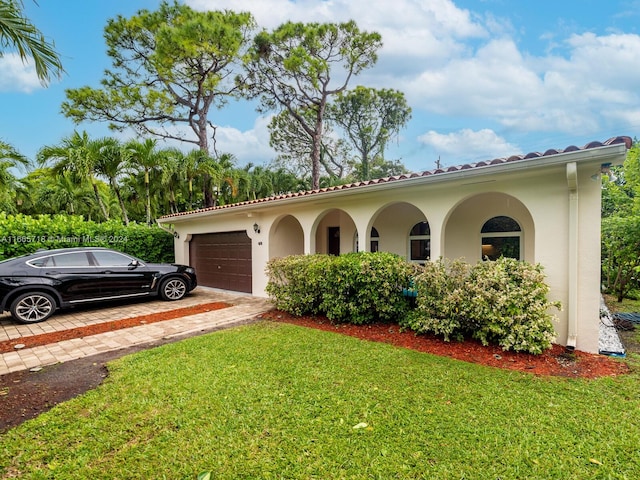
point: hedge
(358, 288)
(22, 234)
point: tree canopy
(169, 68)
(298, 67)
(369, 118)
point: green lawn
(280, 401)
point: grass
(279, 401)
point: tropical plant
(19, 34)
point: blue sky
(485, 78)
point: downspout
(572, 308)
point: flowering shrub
(357, 288)
(503, 302)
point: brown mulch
(79, 332)
(555, 362)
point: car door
(122, 275)
(71, 274)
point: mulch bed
(79, 332)
(554, 362)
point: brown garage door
(222, 260)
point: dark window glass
(76, 259)
(421, 228)
(500, 224)
(496, 247)
(420, 250)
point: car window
(75, 259)
(111, 259)
(42, 262)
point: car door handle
(107, 272)
(53, 272)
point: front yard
(273, 400)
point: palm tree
(10, 160)
(111, 158)
(144, 157)
(171, 160)
(198, 164)
(17, 32)
(76, 154)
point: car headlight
(190, 270)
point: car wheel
(173, 289)
(33, 307)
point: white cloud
(16, 75)
(468, 145)
(463, 66)
(247, 146)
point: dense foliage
(356, 287)
(23, 234)
(621, 228)
(502, 302)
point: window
(111, 259)
(375, 238)
(501, 237)
(420, 242)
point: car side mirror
(134, 264)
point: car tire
(33, 307)
(173, 288)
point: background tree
(288, 137)
(621, 228)
(170, 67)
(19, 34)
(298, 67)
(77, 155)
(10, 162)
(369, 118)
(110, 162)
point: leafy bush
(23, 234)
(357, 288)
(503, 302)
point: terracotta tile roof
(497, 161)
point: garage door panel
(222, 260)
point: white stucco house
(540, 207)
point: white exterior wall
(456, 206)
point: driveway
(243, 308)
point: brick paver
(245, 307)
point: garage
(222, 260)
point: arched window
(420, 242)
(501, 237)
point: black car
(33, 286)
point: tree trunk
(125, 217)
(101, 204)
(146, 187)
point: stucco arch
(461, 234)
(286, 237)
(393, 222)
(328, 223)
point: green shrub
(502, 302)
(357, 288)
(23, 234)
(296, 282)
